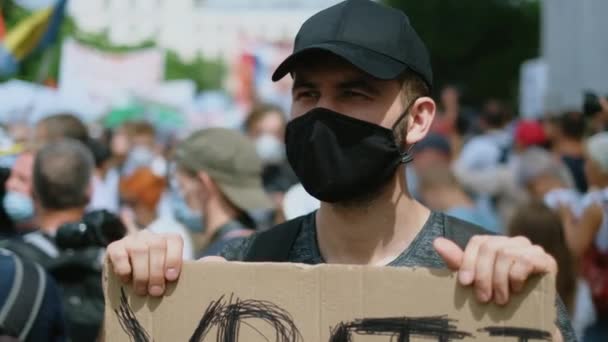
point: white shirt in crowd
(105, 192)
(599, 197)
(570, 198)
(298, 202)
(484, 151)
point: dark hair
(62, 175)
(494, 113)
(572, 125)
(141, 128)
(259, 112)
(101, 152)
(64, 126)
(543, 227)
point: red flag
(2, 28)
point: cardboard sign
(231, 302)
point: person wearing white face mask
(265, 125)
(17, 201)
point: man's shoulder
(461, 231)
(273, 244)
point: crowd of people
(544, 179)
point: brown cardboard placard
(248, 302)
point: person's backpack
(78, 273)
(595, 271)
(275, 244)
(20, 305)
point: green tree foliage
(479, 44)
(206, 73)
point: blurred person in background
(220, 175)
(120, 145)
(567, 132)
(527, 134)
(141, 192)
(22, 285)
(7, 228)
(432, 151)
(18, 203)
(142, 149)
(142, 134)
(59, 126)
(587, 235)
(491, 148)
(19, 134)
(453, 121)
(440, 191)
(595, 109)
(62, 176)
(547, 179)
(543, 227)
(105, 179)
(265, 125)
(499, 182)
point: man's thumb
(449, 252)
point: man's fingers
(157, 247)
(530, 260)
(450, 252)
(138, 252)
(118, 256)
(500, 281)
(466, 274)
(484, 268)
(174, 256)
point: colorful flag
(34, 33)
(2, 28)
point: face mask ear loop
(407, 156)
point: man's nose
(327, 103)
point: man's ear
(208, 184)
(420, 119)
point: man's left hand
(495, 265)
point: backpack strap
(460, 232)
(23, 303)
(274, 245)
(27, 250)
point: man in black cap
(361, 100)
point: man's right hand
(147, 260)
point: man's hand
(148, 260)
(495, 265)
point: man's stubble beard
(365, 201)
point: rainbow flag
(34, 33)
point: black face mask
(340, 158)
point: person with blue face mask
(17, 202)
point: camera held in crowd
(591, 104)
(96, 229)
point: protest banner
(231, 302)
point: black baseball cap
(375, 38)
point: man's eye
(307, 95)
(349, 93)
